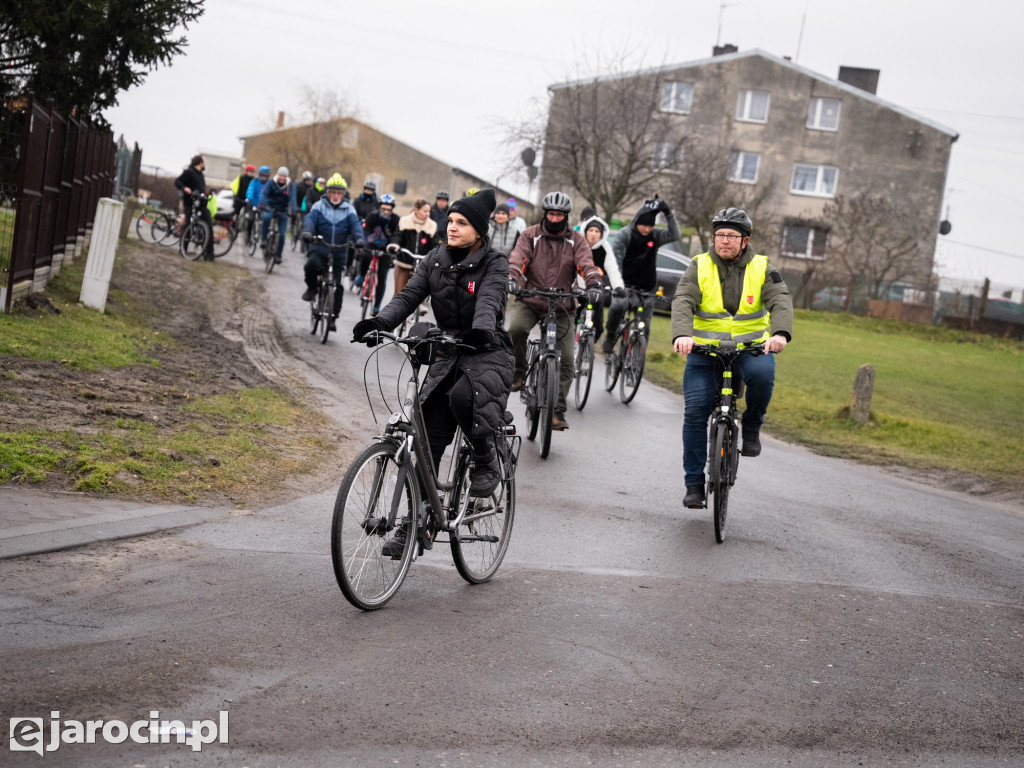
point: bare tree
(873, 238)
(700, 188)
(323, 139)
(604, 137)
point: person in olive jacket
(467, 282)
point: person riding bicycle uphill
(727, 293)
(467, 282)
(636, 250)
(252, 194)
(367, 201)
(548, 256)
(277, 200)
(595, 230)
(335, 220)
(379, 229)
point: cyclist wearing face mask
(549, 256)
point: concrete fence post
(102, 249)
(863, 389)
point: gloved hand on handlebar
(307, 237)
(595, 296)
(392, 248)
(514, 288)
(619, 292)
(360, 244)
(479, 338)
(362, 330)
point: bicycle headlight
(641, 324)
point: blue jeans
(282, 228)
(701, 382)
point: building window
(817, 180)
(677, 97)
(804, 242)
(744, 166)
(666, 156)
(752, 106)
(823, 114)
(400, 186)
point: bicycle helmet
(370, 185)
(442, 194)
(733, 218)
(557, 201)
(307, 175)
(264, 170)
(388, 200)
(337, 181)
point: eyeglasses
(730, 238)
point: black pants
(316, 263)
(449, 406)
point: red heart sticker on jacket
(650, 243)
(472, 286)
(750, 299)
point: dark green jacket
(774, 294)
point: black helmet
(557, 201)
(370, 185)
(733, 218)
(442, 194)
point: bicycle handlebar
(554, 294)
(729, 348)
(433, 336)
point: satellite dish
(945, 227)
(528, 156)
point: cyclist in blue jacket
(277, 200)
(334, 219)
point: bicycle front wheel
(720, 471)
(376, 501)
(547, 394)
(633, 358)
(326, 308)
(270, 250)
(480, 543)
(612, 364)
(314, 311)
(144, 226)
(584, 370)
(223, 238)
(193, 240)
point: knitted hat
(587, 213)
(477, 208)
(501, 208)
(511, 202)
(282, 171)
(594, 224)
(648, 217)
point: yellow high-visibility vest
(712, 323)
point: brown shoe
(518, 384)
(558, 423)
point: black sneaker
(751, 444)
(395, 546)
(331, 326)
(485, 478)
(308, 295)
(518, 384)
(277, 259)
(694, 498)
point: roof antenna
(800, 37)
(722, 5)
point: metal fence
(53, 170)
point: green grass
(80, 337)
(943, 399)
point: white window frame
(666, 156)
(820, 189)
(673, 90)
(736, 166)
(808, 254)
(815, 111)
(744, 102)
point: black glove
(514, 288)
(392, 248)
(663, 207)
(360, 244)
(364, 327)
(479, 339)
(595, 296)
(307, 237)
(619, 292)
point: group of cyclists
(728, 293)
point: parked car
(671, 265)
(225, 200)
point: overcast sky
(442, 75)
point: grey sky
(441, 75)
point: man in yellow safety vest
(727, 293)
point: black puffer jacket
(469, 294)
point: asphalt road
(852, 617)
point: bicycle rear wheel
(480, 543)
(164, 230)
(369, 293)
(326, 307)
(193, 240)
(314, 310)
(376, 500)
(720, 472)
(547, 394)
(633, 358)
(144, 225)
(223, 238)
(584, 370)
(252, 237)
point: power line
(969, 114)
(982, 248)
